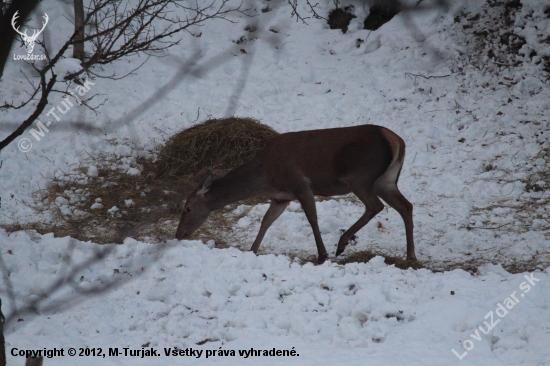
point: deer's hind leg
(386, 188)
(393, 197)
(373, 205)
(302, 191)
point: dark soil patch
(378, 17)
(340, 18)
(365, 256)
(470, 266)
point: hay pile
(218, 145)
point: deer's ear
(206, 184)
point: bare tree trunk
(126, 32)
(78, 46)
(34, 361)
(2, 342)
(25, 7)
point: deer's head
(29, 40)
(195, 211)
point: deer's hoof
(338, 252)
(322, 258)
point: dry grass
(148, 205)
(532, 206)
(470, 265)
(140, 202)
(364, 256)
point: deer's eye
(188, 209)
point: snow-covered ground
(475, 134)
(187, 295)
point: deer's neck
(239, 184)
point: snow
(133, 171)
(67, 66)
(92, 171)
(473, 135)
(185, 293)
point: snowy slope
(186, 294)
(306, 77)
(296, 77)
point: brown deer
(365, 160)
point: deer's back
(328, 156)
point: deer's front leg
(273, 212)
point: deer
(365, 160)
(29, 40)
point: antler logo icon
(29, 40)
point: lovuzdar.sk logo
(29, 40)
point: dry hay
(217, 145)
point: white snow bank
(186, 293)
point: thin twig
(467, 227)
